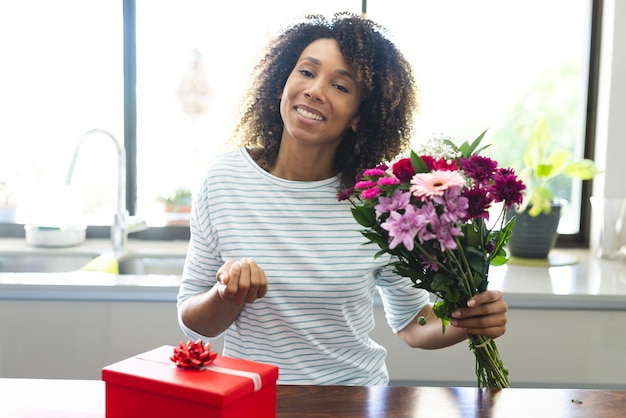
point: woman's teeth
(308, 115)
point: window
(61, 76)
(488, 64)
(193, 62)
(480, 64)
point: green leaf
(364, 216)
(472, 235)
(540, 201)
(466, 149)
(557, 161)
(441, 282)
(442, 310)
(504, 235)
(405, 270)
(584, 169)
(538, 143)
(418, 164)
(499, 260)
(476, 260)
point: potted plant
(537, 219)
(177, 206)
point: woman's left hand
(485, 315)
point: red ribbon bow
(193, 355)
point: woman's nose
(315, 91)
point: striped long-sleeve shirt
(315, 320)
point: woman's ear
(355, 123)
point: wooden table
(49, 398)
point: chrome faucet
(119, 228)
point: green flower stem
(464, 270)
(490, 369)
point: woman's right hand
(241, 281)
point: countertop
(569, 279)
(86, 398)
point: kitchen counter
(86, 398)
(574, 280)
(91, 319)
(92, 285)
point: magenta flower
(507, 187)
(370, 193)
(402, 228)
(374, 172)
(364, 184)
(388, 181)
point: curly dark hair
(380, 70)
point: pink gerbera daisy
(435, 182)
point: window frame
(578, 240)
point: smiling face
(320, 100)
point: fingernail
(456, 314)
(471, 303)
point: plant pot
(177, 214)
(7, 214)
(534, 236)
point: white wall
(610, 147)
(611, 129)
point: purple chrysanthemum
(479, 201)
(445, 236)
(507, 187)
(454, 205)
(442, 233)
(479, 168)
(429, 263)
(396, 202)
(345, 195)
(402, 228)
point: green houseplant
(179, 198)
(542, 164)
(537, 218)
(177, 206)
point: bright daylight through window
(484, 64)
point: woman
(276, 261)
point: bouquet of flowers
(430, 211)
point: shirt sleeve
(401, 300)
(202, 260)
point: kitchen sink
(151, 264)
(43, 262)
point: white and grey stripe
(315, 320)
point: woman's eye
(306, 73)
(341, 88)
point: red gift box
(151, 385)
